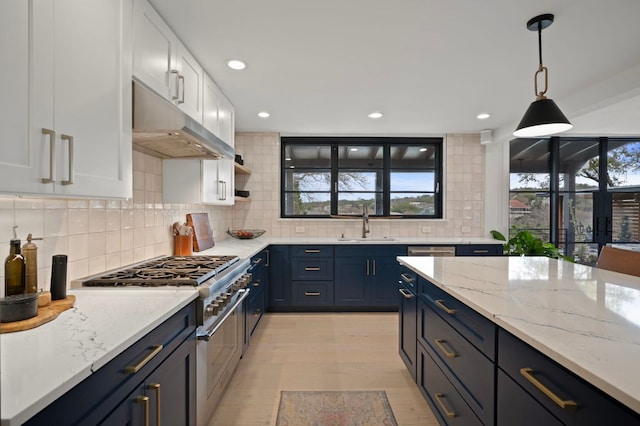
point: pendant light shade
(543, 117)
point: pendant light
(543, 117)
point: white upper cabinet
(211, 99)
(198, 182)
(164, 64)
(226, 121)
(69, 99)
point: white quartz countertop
(250, 247)
(584, 318)
(38, 366)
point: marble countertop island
(38, 366)
(584, 318)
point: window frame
(387, 143)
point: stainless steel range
(222, 283)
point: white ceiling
(320, 66)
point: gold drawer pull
(312, 293)
(156, 387)
(257, 261)
(145, 402)
(481, 251)
(407, 278)
(444, 350)
(312, 250)
(134, 369)
(441, 305)
(405, 293)
(528, 374)
(256, 283)
(439, 398)
(257, 313)
(311, 268)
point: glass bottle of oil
(14, 271)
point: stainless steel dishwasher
(435, 251)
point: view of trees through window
(338, 176)
(559, 193)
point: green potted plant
(524, 243)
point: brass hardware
(311, 251)
(367, 267)
(52, 155)
(441, 305)
(562, 403)
(481, 251)
(134, 369)
(145, 401)
(541, 69)
(439, 398)
(407, 278)
(177, 95)
(405, 293)
(448, 354)
(268, 258)
(70, 140)
(257, 261)
(256, 283)
(181, 77)
(312, 293)
(257, 314)
(311, 268)
(156, 386)
(374, 267)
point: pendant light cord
(540, 42)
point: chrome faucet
(365, 220)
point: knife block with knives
(182, 239)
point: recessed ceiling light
(483, 116)
(423, 149)
(264, 114)
(353, 149)
(375, 115)
(287, 159)
(235, 64)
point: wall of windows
(579, 193)
(325, 177)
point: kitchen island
(585, 319)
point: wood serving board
(202, 233)
(45, 314)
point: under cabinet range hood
(161, 129)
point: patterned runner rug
(334, 408)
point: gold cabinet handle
(480, 251)
(312, 293)
(156, 387)
(177, 83)
(181, 78)
(407, 278)
(374, 267)
(256, 283)
(69, 139)
(311, 268)
(268, 258)
(144, 400)
(441, 305)
(439, 399)
(444, 350)
(257, 313)
(562, 403)
(405, 293)
(257, 261)
(52, 155)
(311, 250)
(367, 267)
(131, 369)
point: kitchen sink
(360, 239)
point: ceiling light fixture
(543, 117)
(375, 115)
(483, 116)
(236, 64)
(264, 114)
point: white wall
(464, 195)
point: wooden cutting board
(45, 314)
(202, 233)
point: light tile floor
(320, 351)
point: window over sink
(337, 176)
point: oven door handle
(209, 333)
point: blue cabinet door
(279, 278)
(384, 281)
(352, 283)
(407, 308)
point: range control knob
(211, 309)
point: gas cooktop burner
(169, 270)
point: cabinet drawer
(320, 268)
(312, 251)
(474, 327)
(516, 407)
(408, 278)
(465, 366)
(255, 309)
(593, 407)
(443, 398)
(313, 293)
(479, 250)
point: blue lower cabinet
(279, 291)
(255, 309)
(407, 309)
(447, 404)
